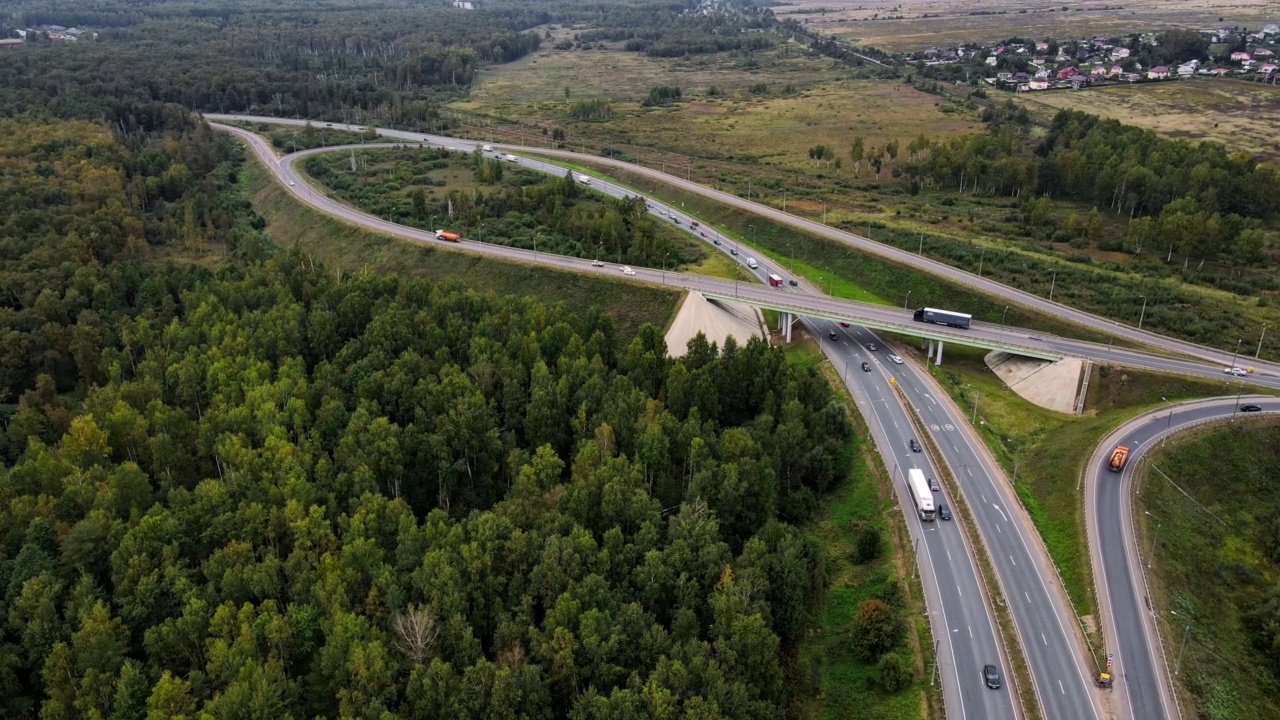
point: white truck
(921, 495)
(751, 263)
(584, 179)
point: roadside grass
(846, 686)
(348, 249)
(1212, 571)
(1240, 115)
(716, 264)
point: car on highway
(703, 233)
(896, 360)
(733, 251)
(991, 676)
(933, 485)
(1250, 407)
(944, 512)
(915, 446)
(832, 334)
(1238, 372)
(866, 367)
(694, 224)
(844, 324)
(628, 271)
(872, 347)
(675, 219)
(793, 283)
(292, 183)
(597, 263)
(716, 241)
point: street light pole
(1002, 316)
(1151, 555)
(1186, 634)
(906, 299)
(664, 267)
(1142, 316)
(1235, 354)
(1052, 283)
(1260, 337)
(981, 258)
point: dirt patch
(718, 321)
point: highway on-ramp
(1142, 683)
(934, 267)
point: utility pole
(1260, 337)
(1055, 282)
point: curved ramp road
(965, 631)
(974, 282)
(1141, 673)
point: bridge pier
(790, 321)
(939, 360)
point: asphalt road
(1141, 673)
(1214, 356)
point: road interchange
(1061, 665)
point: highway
(970, 638)
(1213, 356)
(1142, 683)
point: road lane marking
(1061, 689)
(1043, 640)
(970, 632)
(997, 507)
(1015, 562)
(1028, 597)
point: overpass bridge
(877, 317)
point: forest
(239, 485)
(1195, 199)
(485, 199)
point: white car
(628, 271)
(896, 360)
(292, 183)
(1238, 372)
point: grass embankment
(351, 249)
(846, 686)
(1215, 566)
(1049, 450)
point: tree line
(1200, 200)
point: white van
(584, 179)
(487, 148)
(751, 263)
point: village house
(1067, 73)
(1159, 72)
(1240, 56)
(1262, 52)
(1115, 70)
(1119, 53)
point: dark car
(933, 485)
(1250, 408)
(733, 251)
(866, 367)
(872, 347)
(675, 220)
(944, 512)
(844, 324)
(694, 224)
(915, 446)
(832, 334)
(793, 283)
(716, 241)
(991, 675)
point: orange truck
(1119, 457)
(446, 235)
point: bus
(921, 495)
(943, 317)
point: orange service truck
(446, 235)
(1119, 457)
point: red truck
(775, 281)
(446, 235)
(1119, 457)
